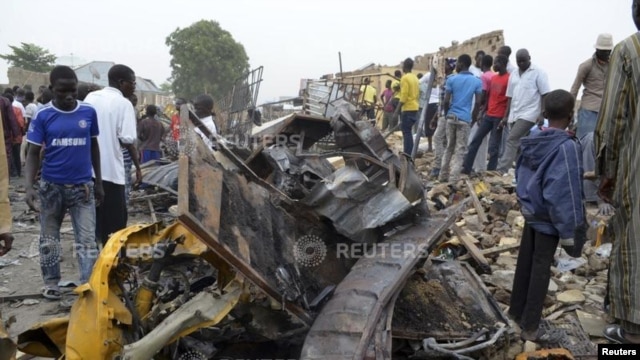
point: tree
(165, 87)
(205, 59)
(30, 57)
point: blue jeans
(488, 125)
(408, 118)
(55, 200)
(586, 122)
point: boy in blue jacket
(549, 189)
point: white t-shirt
(19, 105)
(116, 123)
(435, 91)
(211, 125)
(477, 72)
(525, 91)
(31, 110)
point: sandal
(552, 337)
(615, 334)
(51, 294)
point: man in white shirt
(476, 68)
(30, 110)
(17, 102)
(526, 91)
(203, 106)
(117, 124)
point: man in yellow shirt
(409, 94)
(368, 95)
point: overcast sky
(301, 39)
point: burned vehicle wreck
(300, 247)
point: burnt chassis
(233, 217)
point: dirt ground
(21, 304)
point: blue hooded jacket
(549, 183)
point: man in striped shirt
(617, 142)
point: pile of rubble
(248, 211)
(488, 236)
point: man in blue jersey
(458, 99)
(68, 129)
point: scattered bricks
(487, 242)
(502, 296)
(472, 222)
(438, 190)
(500, 230)
(502, 204)
(571, 297)
(506, 261)
(508, 241)
(598, 263)
(501, 278)
(512, 215)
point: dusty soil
(429, 308)
(20, 269)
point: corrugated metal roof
(96, 72)
(146, 85)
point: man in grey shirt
(591, 75)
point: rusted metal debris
(280, 218)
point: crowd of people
(80, 144)
(79, 141)
(491, 115)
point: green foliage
(30, 57)
(205, 59)
(166, 87)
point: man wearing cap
(591, 75)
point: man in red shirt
(496, 108)
(175, 119)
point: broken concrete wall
(22, 77)
(488, 42)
